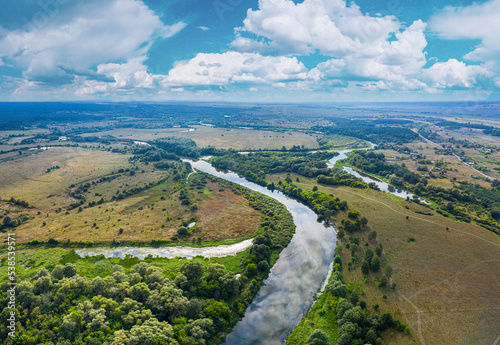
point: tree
(69, 270)
(251, 270)
(139, 292)
(354, 298)
(318, 337)
(378, 249)
(364, 221)
(200, 329)
(336, 288)
(215, 272)
(193, 270)
(382, 282)
(371, 336)
(7, 220)
(169, 303)
(182, 231)
(375, 264)
(344, 339)
(365, 267)
(57, 273)
(495, 214)
(368, 255)
(150, 332)
(218, 312)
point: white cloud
(454, 73)
(204, 28)
(75, 43)
(329, 26)
(477, 21)
(362, 47)
(121, 77)
(398, 62)
(232, 67)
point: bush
(372, 235)
(353, 214)
(182, 231)
(382, 282)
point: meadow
(153, 212)
(446, 272)
(224, 138)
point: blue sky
(249, 51)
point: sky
(249, 50)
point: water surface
(295, 278)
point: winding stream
(385, 187)
(294, 279)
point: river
(295, 278)
(385, 187)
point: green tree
(375, 264)
(69, 270)
(336, 288)
(318, 337)
(251, 270)
(365, 267)
(193, 270)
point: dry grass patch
(448, 281)
(226, 215)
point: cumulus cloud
(477, 21)
(233, 67)
(361, 46)
(329, 26)
(74, 44)
(120, 77)
(455, 74)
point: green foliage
(372, 235)
(375, 264)
(318, 337)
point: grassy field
(448, 289)
(154, 213)
(238, 139)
